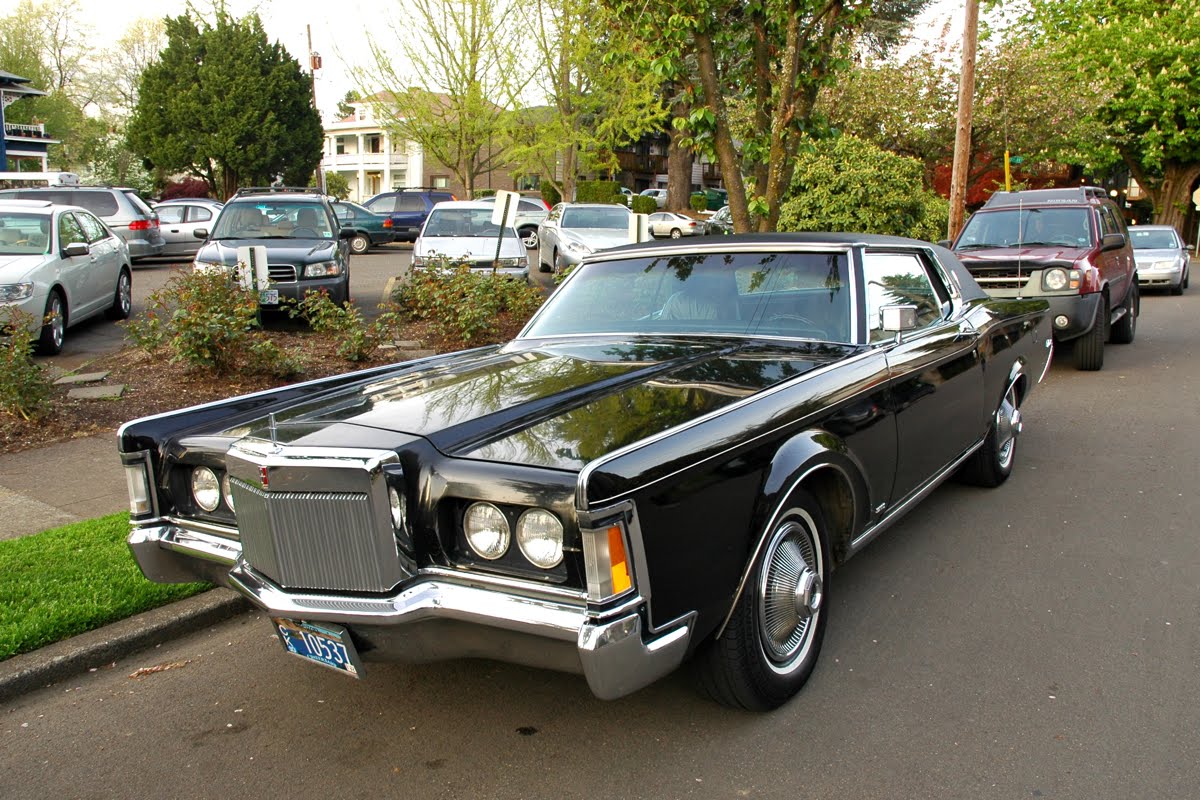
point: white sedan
(668, 223)
(60, 265)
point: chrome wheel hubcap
(791, 593)
(1008, 427)
(126, 290)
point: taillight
(140, 225)
(387, 223)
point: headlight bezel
(322, 269)
(524, 543)
(205, 474)
(504, 536)
(16, 292)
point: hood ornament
(273, 429)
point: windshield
(269, 219)
(460, 222)
(800, 295)
(613, 217)
(24, 234)
(1069, 227)
(1154, 239)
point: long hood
(14, 268)
(553, 405)
(598, 238)
(284, 251)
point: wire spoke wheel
(1008, 426)
(791, 591)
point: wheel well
(832, 492)
(66, 307)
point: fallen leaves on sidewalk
(144, 671)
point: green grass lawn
(72, 579)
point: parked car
(574, 230)
(626, 196)
(408, 209)
(1069, 246)
(668, 223)
(713, 198)
(659, 195)
(178, 220)
(61, 265)
(530, 213)
(1162, 257)
(368, 229)
(667, 463)
(306, 248)
(121, 209)
(720, 223)
(462, 231)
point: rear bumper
(442, 614)
(1160, 278)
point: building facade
(25, 146)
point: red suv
(1067, 246)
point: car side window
(69, 231)
(91, 226)
(170, 215)
(384, 205)
(898, 279)
(343, 212)
(410, 202)
(199, 214)
(1108, 221)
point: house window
(399, 178)
(441, 181)
(528, 183)
(399, 146)
(374, 143)
(339, 145)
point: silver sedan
(574, 230)
(180, 218)
(1162, 257)
(668, 223)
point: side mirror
(899, 318)
(1112, 241)
(200, 233)
(944, 243)
(76, 249)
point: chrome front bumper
(441, 614)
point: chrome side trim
(762, 540)
(617, 662)
(864, 538)
(204, 526)
(586, 473)
(504, 584)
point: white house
(365, 152)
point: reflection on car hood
(14, 268)
(556, 405)
(1039, 255)
(597, 238)
(283, 251)
(472, 247)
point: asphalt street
(1036, 640)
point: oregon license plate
(327, 644)
(268, 297)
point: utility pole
(314, 64)
(962, 135)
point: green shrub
(644, 205)
(355, 338)
(551, 195)
(481, 193)
(698, 201)
(849, 184)
(208, 321)
(598, 192)
(24, 387)
(462, 304)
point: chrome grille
(1008, 277)
(282, 273)
(316, 540)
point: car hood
(1034, 256)
(555, 405)
(282, 251)
(597, 238)
(14, 268)
(472, 247)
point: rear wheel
(359, 244)
(54, 326)
(123, 297)
(769, 647)
(1089, 348)
(992, 463)
(529, 238)
(1126, 327)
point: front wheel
(529, 238)
(359, 244)
(992, 463)
(770, 645)
(676, 233)
(54, 326)
(1089, 348)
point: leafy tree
(758, 68)
(136, 50)
(449, 89)
(600, 96)
(848, 184)
(1140, 57)
(344, 109)
(227, 105)
(336, 185)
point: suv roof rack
(424, 189)
(1074, 194)
(276, 189)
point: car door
(1116, 266)
(934, 371)
(171, 219)
(104, 266)
(74, 271)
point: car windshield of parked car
(460, 222)
(1153, 239)
(798, 295)
(614, 217)
(1069, 227)
(24, 234)
(273, 220)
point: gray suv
(121, 209)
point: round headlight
(399, 504)
(227, 491)
(487, 530)
(206, 490)
(540, 537)
(1055, 279)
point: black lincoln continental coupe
(667, 463)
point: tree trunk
(679, 161)
(727, 155)
(1173, 196)
(569, 162)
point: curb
(65, 659)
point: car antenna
(1020, 246)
